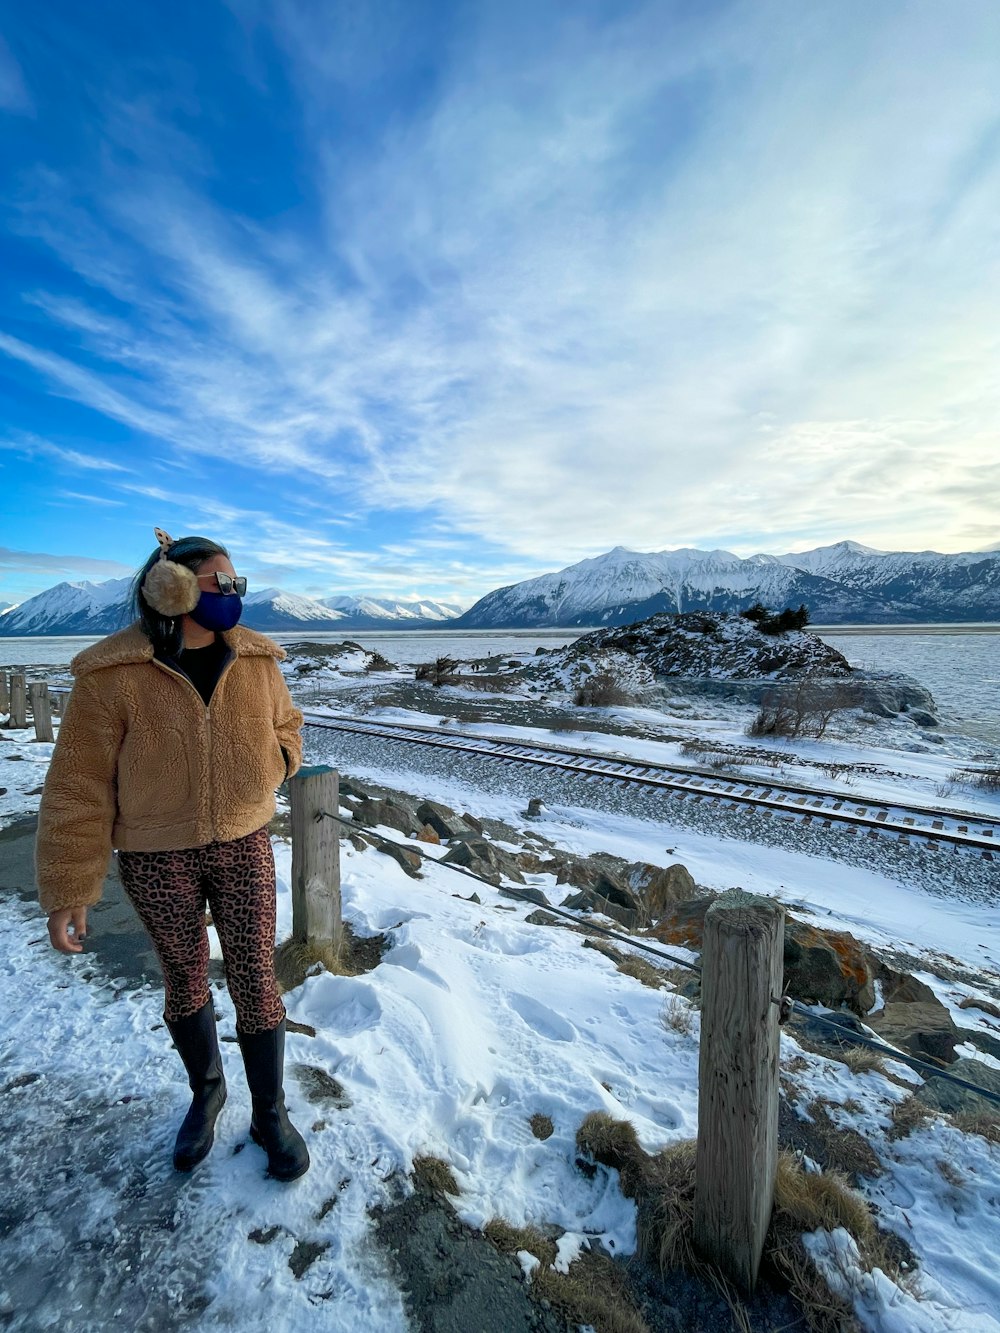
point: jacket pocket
(154, 775)
(254, 763)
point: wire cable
(791, 1006)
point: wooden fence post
(315, 857)
(4, 693)
(18, 701)
(41, 710)
(737, 1151)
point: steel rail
(873, 815)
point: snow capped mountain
(377, 608)
(70, 608)
(102, 608)
(840, 584)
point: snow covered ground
(473, 1022)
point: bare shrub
(985, 779)
(676, 1016)
(603, 689)
(442, 671)
(803, 710)
(379, 663)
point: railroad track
(807, 805)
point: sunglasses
(227, 583)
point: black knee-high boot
(264, 1058)
(197, 1044)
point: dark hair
(165, 631)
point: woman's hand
(60, 924)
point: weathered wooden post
(737, 1151)
(315, 857)
(18, 700)
(4, 693)
(41, 710)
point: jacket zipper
(208, 717)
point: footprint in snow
(546, 1022)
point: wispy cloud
(32, 446)
(14, 95)
(69, 565)
(684, 275)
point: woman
(177, 732)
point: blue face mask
(217, 610)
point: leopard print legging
(169, 891)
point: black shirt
(203, 666)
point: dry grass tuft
(810, 1201)
(509, 1239)
(592, 1292)
(859, 1059)
(541, 1126)
(294, 960)
(985, 1123)
(845, 1149)
(644, 972)
(663, 1188)
(435, 1175)
(677, 1016)
(908, 1116)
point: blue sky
(412, 297)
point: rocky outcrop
(483, 859)
(657, 888)
(828, 967)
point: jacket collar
(131, 645)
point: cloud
(71, 566)
(91, 499)
(32, 446)
(737, 297)
(14, 95)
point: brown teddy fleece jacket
(141, 764)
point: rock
(684, 923)
(409, 861)
(427, 834)
(921, 1028)
(348, 787)
(481, 857)
(388, 814)
(472, 821)
(945, 1096)
(659, 889)
(529, 893)
(827, 967)
(973, 1002)
(624, 907)
(878, 708)
(822, 1034)
(535, 807)
(535, 864)
(445, 823)
(922, 718)
(904, 988)
(542, 919)
(358, 843)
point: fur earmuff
(170, 588)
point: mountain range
(846, 583)
(101, 608)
